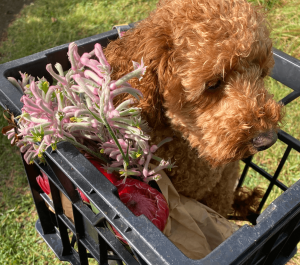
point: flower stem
(103, 119)
(126, 160)
(86, 149)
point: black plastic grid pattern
(271, 241)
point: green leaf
(137, 154)
(94, 209)
(42, 130)
(44, 85)
(53, 96)
(61, 96)
(96, 117)
(54, 146)
(28, 92)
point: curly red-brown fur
(190, 47)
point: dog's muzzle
(264, 140)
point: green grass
(20, 243)
(47, 24)
(286, 38)
(40, 26)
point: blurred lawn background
(45, 24)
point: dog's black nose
(264, 140)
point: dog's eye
(213, 85)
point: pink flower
(122, 33)
(74, 57)
(92, 75)
(101, 57)
(43, 183)
(92, 64)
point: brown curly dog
(204, 86)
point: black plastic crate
(272, 240)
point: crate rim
(165, 257)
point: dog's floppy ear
(161, 87)
(151, 41)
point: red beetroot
(43, 183)
(83, 197)
(140, 198)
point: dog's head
(209, 59)
(213, 81)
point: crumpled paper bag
(193, 227)
(66, 205)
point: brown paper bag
(193, 227)
(66, 204)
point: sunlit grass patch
(290, 123)
(48, 24)
(19, 242)
(285, 23)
